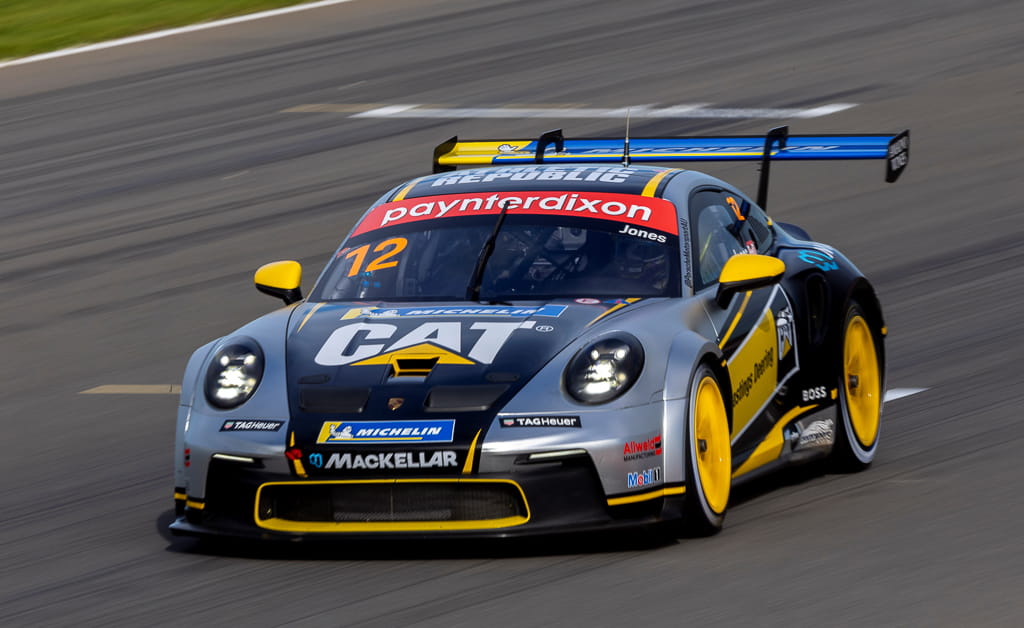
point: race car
(567, 338)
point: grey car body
(380, 411)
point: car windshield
(535, 257)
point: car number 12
(396, 245)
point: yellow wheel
(708, 455)
(861, 381)
(860, 387)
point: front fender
(188, 390)
(198, 426)
(687, 350)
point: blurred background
(141, 185)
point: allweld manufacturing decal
(641, 211)
(634, 450)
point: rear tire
(859, 413)
(708, 457)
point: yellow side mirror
(280, 279)
(747, 272)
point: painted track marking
(898, 393)
(134, 389)
(695, 110)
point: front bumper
(247, 501)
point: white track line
(170, 32)
(674, 111)
(898, 393)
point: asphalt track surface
(141, 186)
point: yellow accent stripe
(299, 469)
(612, 309)
(771, 447)
(355, 312)
(484, 157)
(287, 525)
(835, 391)
(468, 467)
(180, 497)
(652, 185)
(735, 321)
(194, 505)
(642, 497)
(134, 389)
(401, 194)
(310, 315)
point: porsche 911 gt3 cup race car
(565, 340)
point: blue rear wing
(776, 145)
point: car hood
(425, 379)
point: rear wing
(777, 144)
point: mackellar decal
(388, 460)
(640, 211)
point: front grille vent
(324, 399)
(381, 505)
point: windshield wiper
(473, 290)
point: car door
(755, 329)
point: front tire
(708, 457)
(860, 393)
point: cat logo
(786, 332)
(441, 341)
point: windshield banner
(639, 211)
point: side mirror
(280, 279)
(747, 272)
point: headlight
(234, 373)
(605, 369)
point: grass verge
(29, 27)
